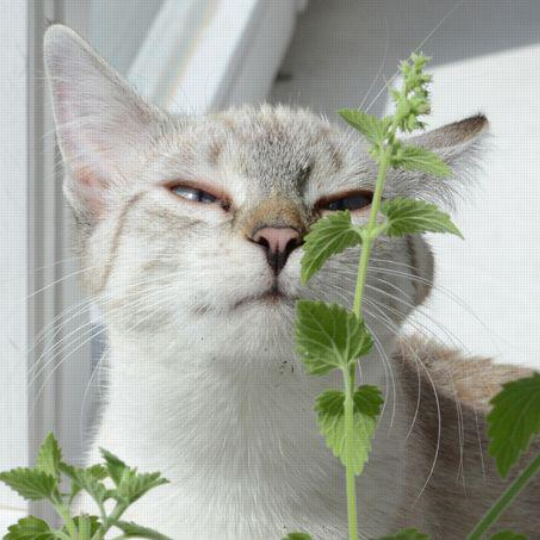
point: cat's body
(190, 234)
(245, 458)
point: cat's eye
(198, 195)
(356, 200)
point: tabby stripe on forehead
(116, 239)
(215, 150)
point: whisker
(459, 411)
(394, 328)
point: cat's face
(192, 228)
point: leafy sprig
(330, 337)
(43, 482)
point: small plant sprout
(329, 336)
(43, 482)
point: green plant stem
(109, 522)
(349, 376)
(367, 242)
(506, 499)
(367, 239)
(63, 512)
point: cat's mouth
(273, 297)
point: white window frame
(235, 52)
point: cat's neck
(252, 432)
(195, 388)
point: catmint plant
(124, 486)
(331, 337)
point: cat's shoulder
(451, 480)
(472, 380)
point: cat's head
(192, 228)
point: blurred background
(202, 55)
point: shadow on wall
(339, 47)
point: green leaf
(328, 236)
(297, 536)
(406, 534)
(331, 419)
(30, 528)
(514, 421)
(416, 158)
(132, 529)
(49, 457)
(87, 480)
(409, 216)
(133, 486)
(115, 465)
(369, 126)
(86, 525)
(30, 483)
(368, 400)
(329, 337)
(95, 472)
(508, 535)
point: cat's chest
(245, 461)
(230, 491)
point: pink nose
(275, 239)
(278, 244)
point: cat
(189, 231)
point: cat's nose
(278, 242)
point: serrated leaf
(328, 236)
(513, 421)
(87, 480)
(416, 158)
(49, 457)
(132, 529)
(96, 472)
(331, 420)
(406, 534)
(368, 400)
(329, 336)
(410, 216)
(371, 127)
(30, 528)
(86, 525)
(297, 536)
(30, 483)
(508, 535)
(133, 485)
(114, 465)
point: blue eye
(354, 201)
(197, 195)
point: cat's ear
(100, 120)
(459, 144)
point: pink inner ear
(89, 191)
(87, 187)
